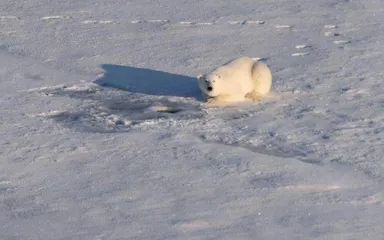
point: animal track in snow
(158, 21)
(302, 46)
(334, 34)
(283, 26)
(254, 22)
(246, 22)
(152, 21)
(194, 23)
(241, 22)
(331, 34)
(205, 23)
(299, 54)
(9, 17)
(330, 26)
(187, 23)
(149, 21)
(54, 17)
(236, 22)
(99, 22)
(341, 42)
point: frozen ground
(85, 156)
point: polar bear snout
(208, 85)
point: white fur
(239, 80)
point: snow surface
(103, 134)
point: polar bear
(239, 80)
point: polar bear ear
(199, 76)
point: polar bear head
(211, 84)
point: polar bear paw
(253, 96)
(223, 100)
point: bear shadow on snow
(148, 81)
(119, 111)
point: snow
(104, 135)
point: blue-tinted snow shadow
(148, 81)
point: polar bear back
(237, 75)
(253, 75)
(262, 78)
